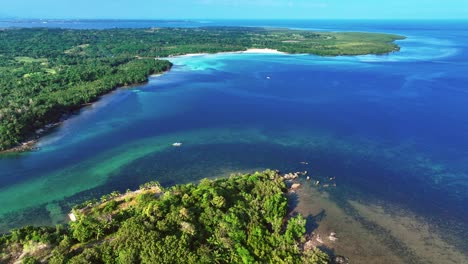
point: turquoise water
(391, 129)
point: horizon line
(240, 19)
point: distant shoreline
(248, 51)
(30, 144)
(251, 42)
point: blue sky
(232, 9)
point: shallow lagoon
(391, 129)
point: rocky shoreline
(314, 240)
(30, 143)
(23, 147)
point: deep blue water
(391, 128)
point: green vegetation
(241, 219)
(46, 73)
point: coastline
(247, 51)
(249, 42)
(22, 147)
(105, 221)
(30, 143)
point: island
(46, 74)
(240, 219)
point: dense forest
(241, 219)
(47, 73)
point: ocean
(390, 130)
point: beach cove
(246, 112)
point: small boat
(177, 144)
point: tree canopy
(241, 219)
(47, 73)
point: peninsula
(45, 74)
(241, 219)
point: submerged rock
(309, 245)
(291, 176)
(295, 186)
(319, 239)
(341, 260)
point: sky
(232, 9)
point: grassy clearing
(25, 59)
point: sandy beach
(263, 51)
(248, 51)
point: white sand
(248, 51)
(263, 51)
(191, 55)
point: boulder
(72, 217)
(319, 239)
(341, 260)
(309, 245)
(291, 176)
(295, 186)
